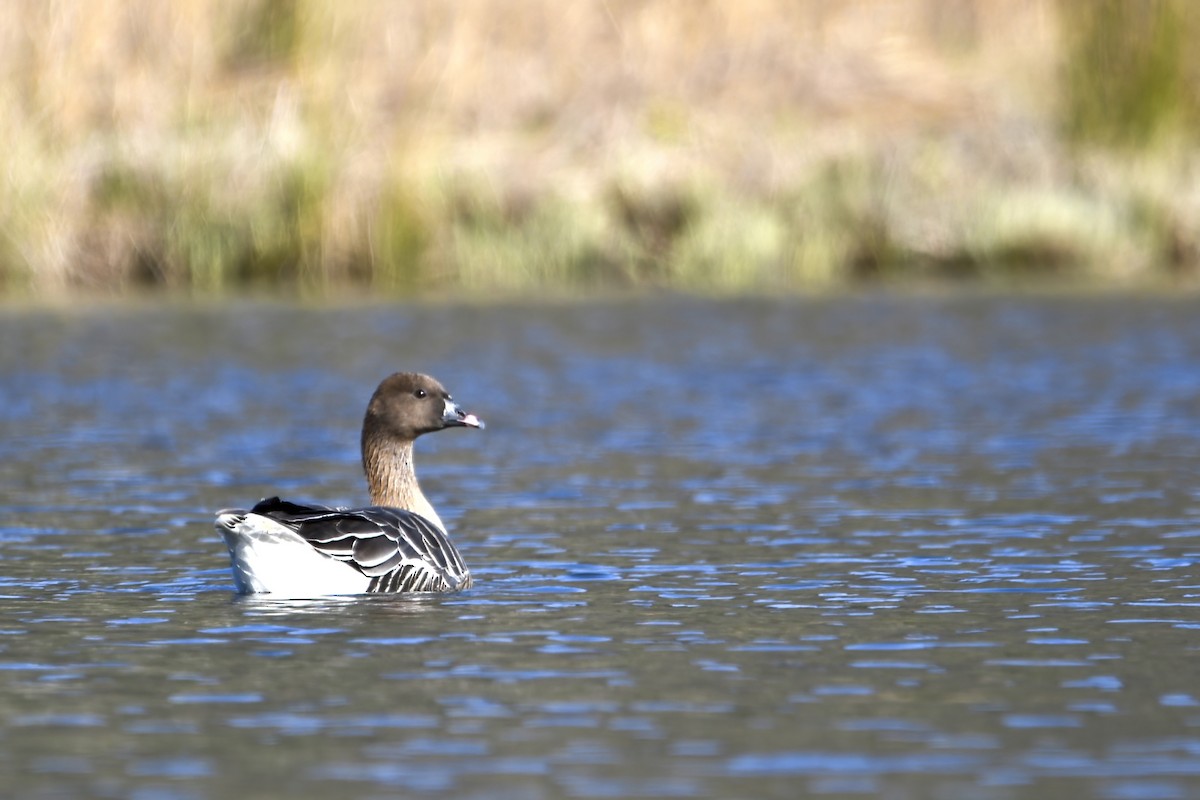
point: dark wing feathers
(280, 509)
(404, 579)
(380, 554)
(399, 550)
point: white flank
(269, 558)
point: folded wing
(398, 550)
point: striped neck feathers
(392, 480)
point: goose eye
(419, 393)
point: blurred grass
(484, 146)
(1131, 70)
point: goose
(397, 544)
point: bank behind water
(776, 146)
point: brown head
(405, 406)
(408, 404)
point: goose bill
(456, 416)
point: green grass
(1129, 74)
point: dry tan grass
(497, 144)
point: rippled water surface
(891, 547)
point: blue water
(901, 547)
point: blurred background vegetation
(486, 146)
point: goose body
(397, 544)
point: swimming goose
(398, 544)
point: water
(888, 547)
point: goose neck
(392, 479)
